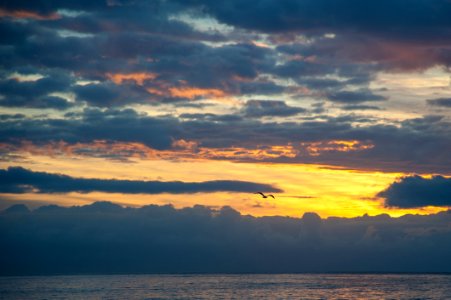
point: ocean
(281, 286)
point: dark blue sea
(286, 286)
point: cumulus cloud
(328, 15)
(107, 238)
(109, 94)
(37, 93)
(141, 36)
(418, 191)
(20, 180)
(261, 108)
(94, 124)
(350, 97)
(360, 107)
(414, 145)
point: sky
(338, 108)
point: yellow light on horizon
(307, 188)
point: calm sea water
(289, 286)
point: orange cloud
(156, 91)
(122, 151)
(190, 92)
(24, 14)
(185, 145)
(194, 92)
(139, 78)
(261, 44)
(317, 148)
(183, 150)
(261, 153)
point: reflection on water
(286, 286)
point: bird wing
(272, 196)
(261, 194)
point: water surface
(286, 286)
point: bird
(265, 196)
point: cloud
(22, 14)
(417, 191)
(384, 18)
(415, 145)
(261, 108)
(211, 117)
(110, 95)
(44, 102)
(53, 6)
(355, 97)
(421, 20)
(11, 117)
(160, 53)
(442, 102)
(37, 93)
(93, 124)
(360, 107)
(153, 37)
(20, 180)
(106, 238)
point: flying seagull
(265, 196)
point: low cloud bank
(19, 180)
(417, 191)
(106, 238)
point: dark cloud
(262, 108)
(17, 208)
(385, 18)
(218, 67)
(360, 107)
(415, 145)
(99, 94)
(36, 94)
(296, 69)
(442, 102)
(14, 32)
(259, 88)
(355, 96)
(118, 125)
(106, 238)
(41, 102)
(20, 180)
(417, 191)
(46, 7)
(321, 84)
(11, 117)
(230, 69)
(109, 94)
(211, 117)
(143, 31)
(142, 36)
(79, 51)
(424, 20)
(317, 63)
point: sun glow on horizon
(306, 187)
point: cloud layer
(91, 68)
(20, 180)
(417, 191)
(106, 238)
(417, 145)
